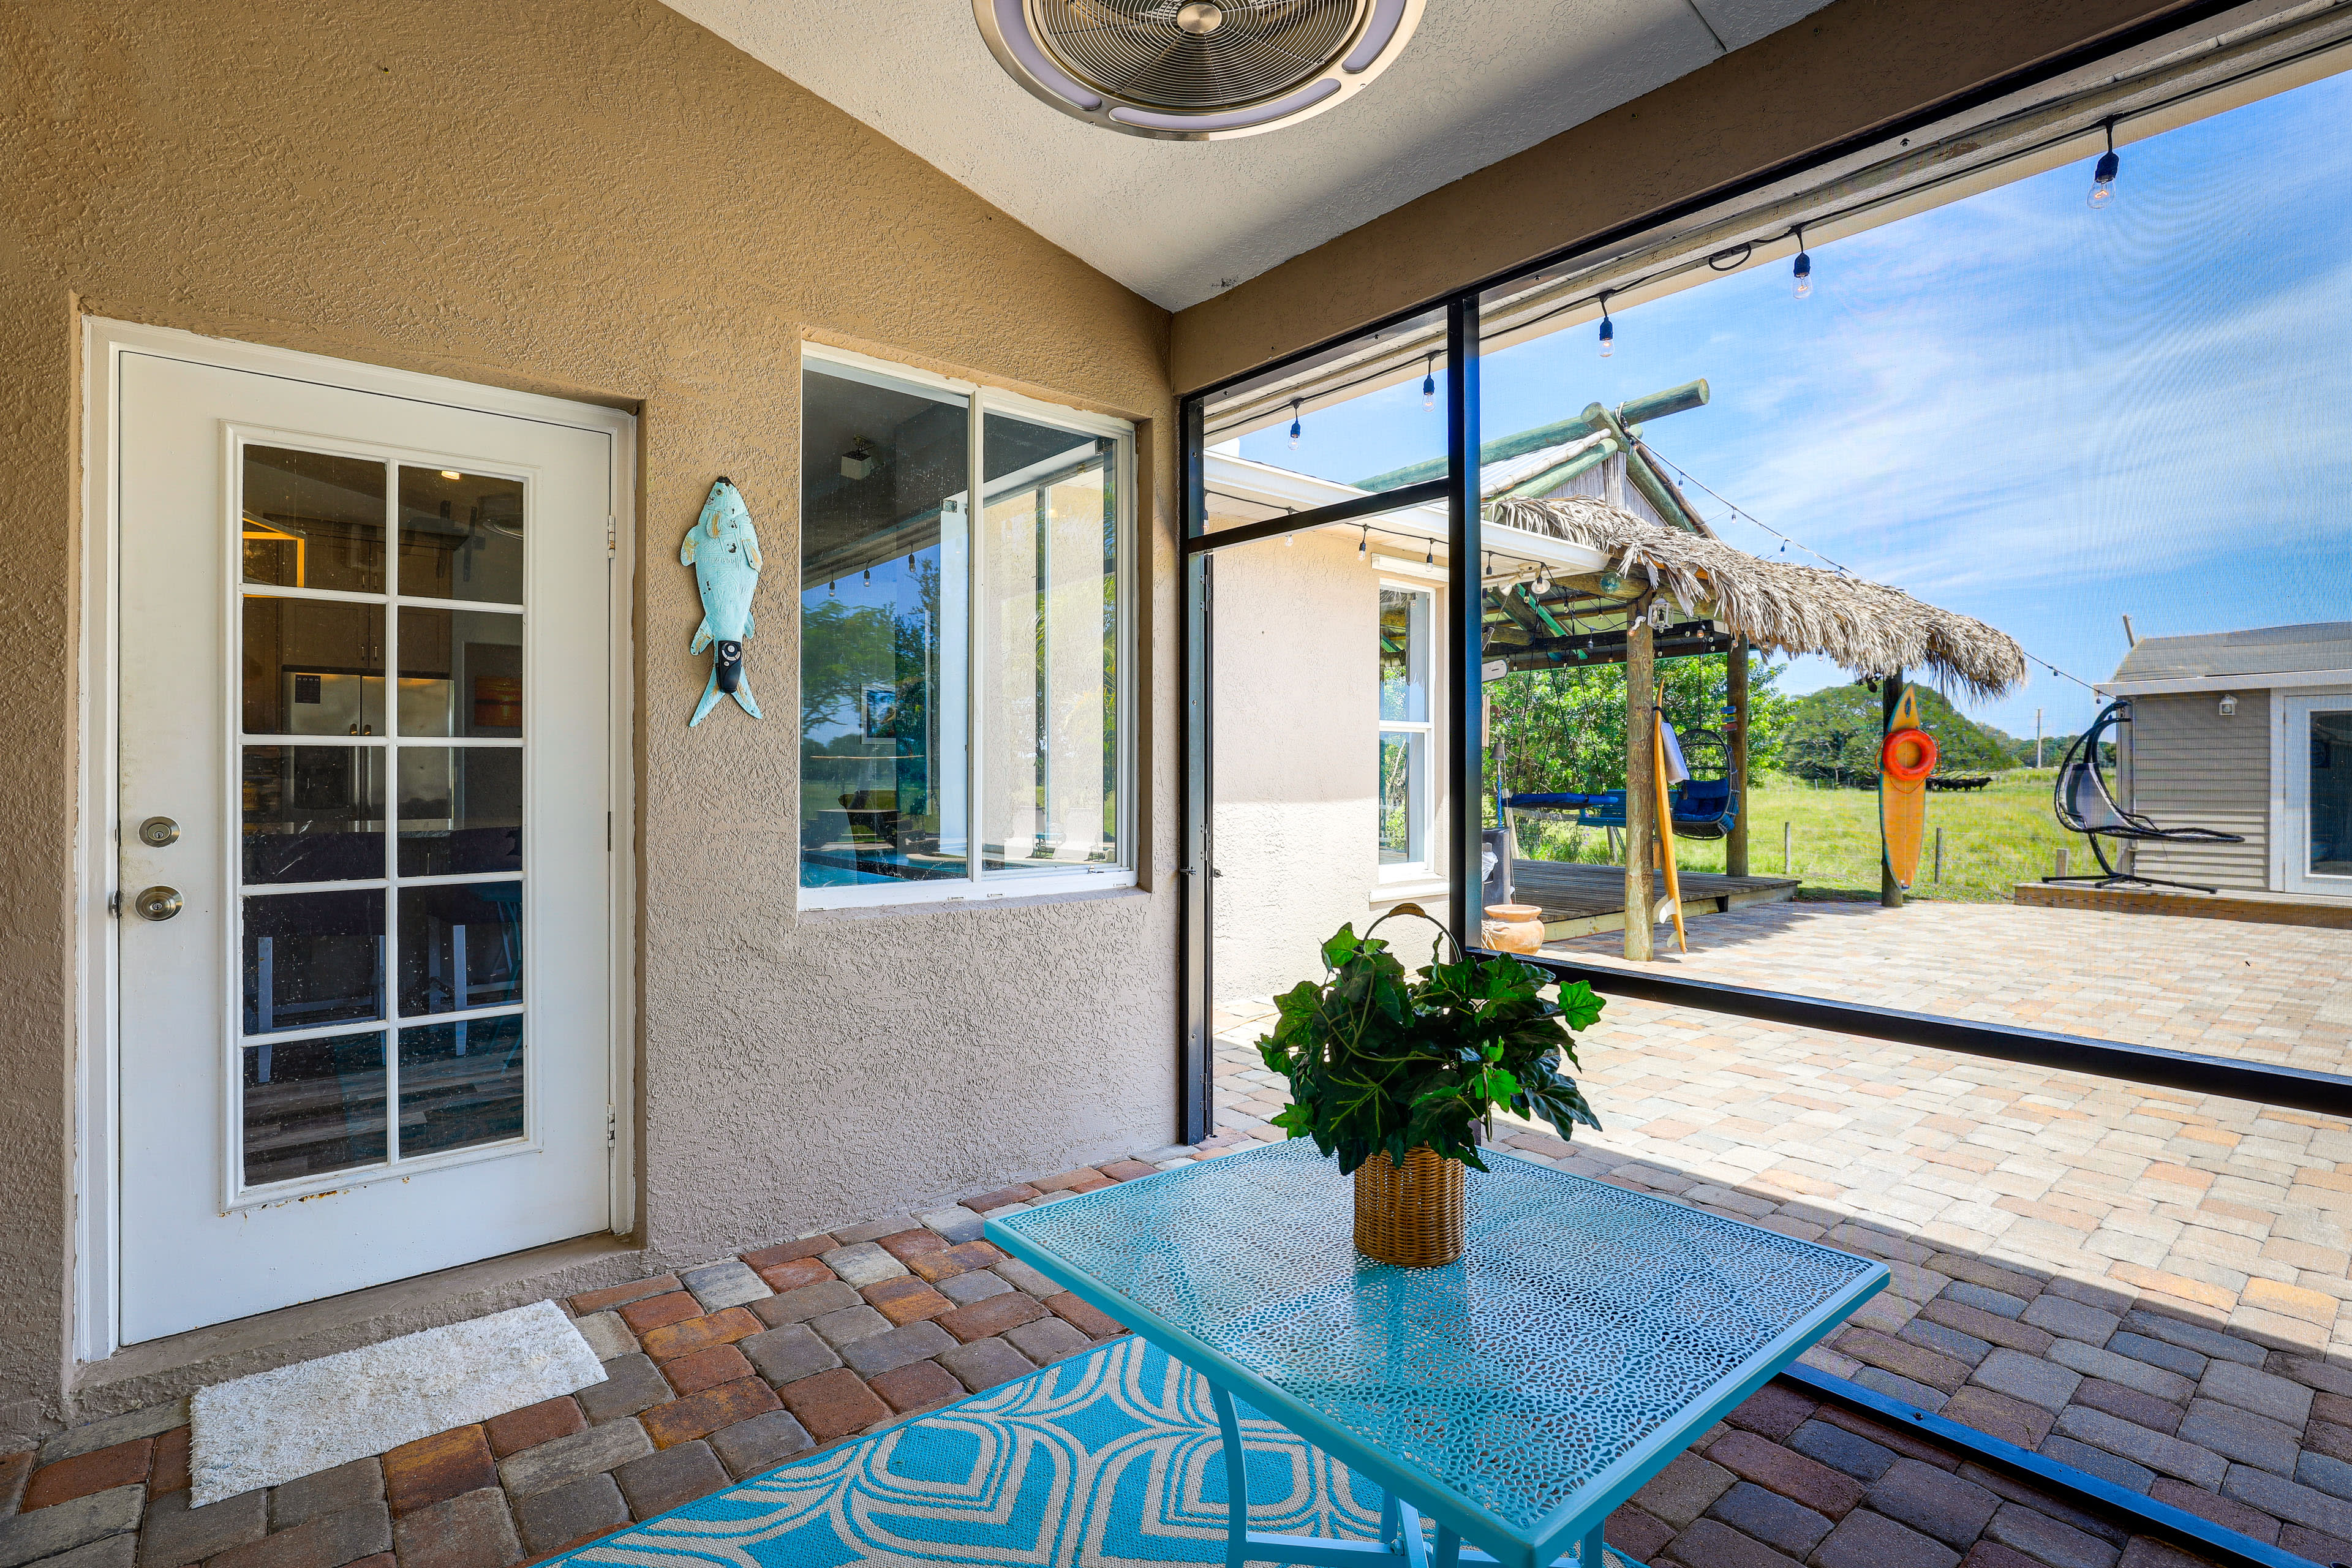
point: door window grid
(423, 1018)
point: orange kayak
(1905, 759)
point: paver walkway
(2225, 988)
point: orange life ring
(1923, 762)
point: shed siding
(2192, 768)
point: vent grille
(1152, 52)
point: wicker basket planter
(1412, 1216)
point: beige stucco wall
(1295, 706)
(601, 201)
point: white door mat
(274, 1426)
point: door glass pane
(460, 947)
(313, 667)
(312, 1106)
(314, 521)
(313, 814)
(312, 958)
(460, 809)
(460, 536)
(1049, 772)
(1404, 661)
(2331, 795)
(885, 561)
(460, 1084)
(460, 673)
(1404, 766)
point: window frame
(1424, 866)
(980, 885)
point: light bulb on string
(1294, 424)
(2103, 178)
(1608, 330)
(1428, 555)
(869, 577)
(829, 587)
(1805, 272)
(1429, 383)
(1364, 545)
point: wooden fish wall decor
(724, 552)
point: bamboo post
(1890, 696)
(1666, 828)
(1734, 843)
(1641, 700)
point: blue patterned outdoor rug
(1108, 1461)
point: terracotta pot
(1411, 1216)
(1512, 928)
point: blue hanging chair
(1701, 807)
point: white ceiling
(1178, 221)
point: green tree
(1563, 730)
(1834, 735)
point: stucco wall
(597, 200)
(1297, 763)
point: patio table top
(1587, 1334)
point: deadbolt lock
(159, 831)
(157, 903)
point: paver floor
(2146, 1285)
(2228, 988)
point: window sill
(1415, 887)
(828, 915)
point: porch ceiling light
(1195, 70)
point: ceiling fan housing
(1195, 70)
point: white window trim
(983, 886)
(1420, 870)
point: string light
(2103, 179)
(869, 577)
(1294, 424)
(1428, 555)
(1804, 266)
(1608, 328)
(829, 588)
(1364, 545)
(1429, 383)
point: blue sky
(2015, 406)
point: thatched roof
(1867, 628)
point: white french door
(362, 743)
(2318, 818)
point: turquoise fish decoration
(725, 554)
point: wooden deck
(1578, 900)
(2230, 904)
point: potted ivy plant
(1395, 1075)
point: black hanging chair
(2087, 806)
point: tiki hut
(1677, 590)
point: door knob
(157, 903)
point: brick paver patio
(2144, 1284)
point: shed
(2249, 731)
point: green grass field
(1994, 839)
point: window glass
(1049, 648)
(884, 578)
(960, 682)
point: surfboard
(1903, 802)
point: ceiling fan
(1195, 70)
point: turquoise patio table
(1514, 1397)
